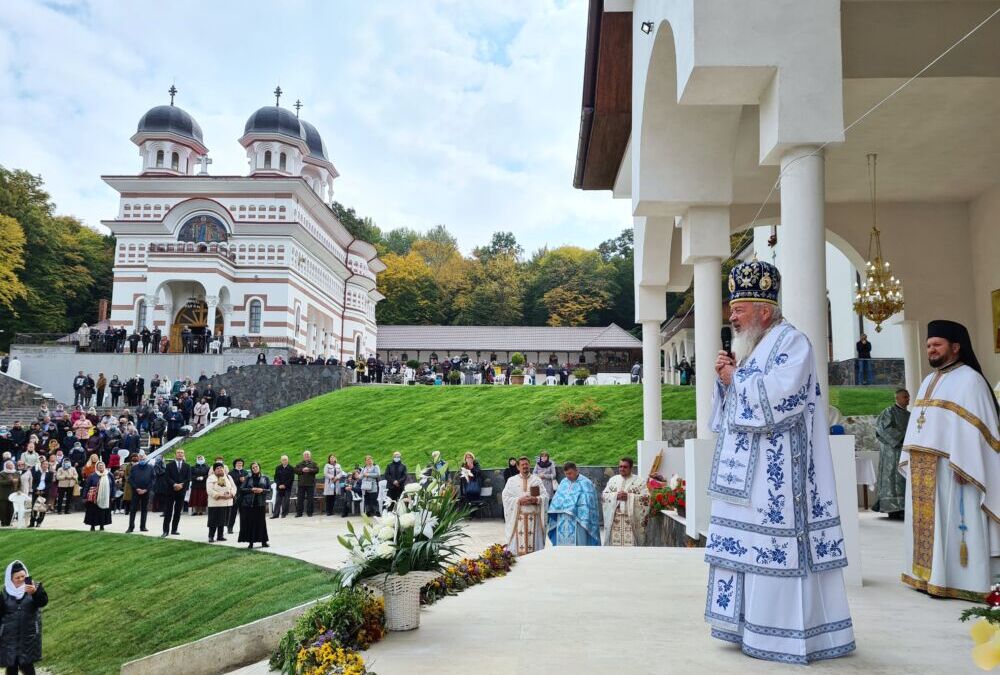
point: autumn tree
(409, 283)
(11, 260)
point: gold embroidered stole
(923, 486)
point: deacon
(573, 513)
(775, 546)
(950, 456)
(524, 506)
(625, 501)
(890, 427)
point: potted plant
(402, 550)
(517, 372)
(581, 374)
(455, 377)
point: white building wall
(984, 230)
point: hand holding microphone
(725, 364)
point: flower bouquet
(672, 496)
(405, 548)
(986, 632)
(495, 561)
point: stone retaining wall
(264, 389)
(16, 393)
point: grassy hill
(114, 598)
(492, 422)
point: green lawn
(492, 422)
(114, 598)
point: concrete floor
(639, 611)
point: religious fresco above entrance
(203, 228)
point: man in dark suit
(178, 477)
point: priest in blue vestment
(574, 511)
(775, 547)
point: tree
(11, 260)
(361, 228)
(569, 307)
(585, 280)
(502, 243)
(400, 240)
(619, 254)
(496, 294)
(410, 290)
(441, 235)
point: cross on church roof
(173, 92)
(297, 106)
(277, 95)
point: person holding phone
(20, 623)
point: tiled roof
(505, 338)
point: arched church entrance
(194, 316)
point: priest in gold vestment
(951, 458)
(525, 505)
(624, 502)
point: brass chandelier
(881, 294)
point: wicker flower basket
(402, 597)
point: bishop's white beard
(745, 341)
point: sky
(463, 113)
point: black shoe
(175, 533)
(274, 517)
(129, 531)
(230, 530)
(298, 515)
(211, 541)
(222, 539)
(91, 528)
(143, 529)
(250, 545)
(265, 545)
(163, 536)
(102, 528)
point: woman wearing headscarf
(102, 486)
(201, 410)
(220, 492)
(333, 476)
(239, 476)
(20, 621)
(253, 497)
(10, 481)
(546, 470)
(67, 478)
(198, 500)
(511, 469)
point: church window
(175, 161)
(159, 159)
(140, 315)
(255, 312)
(267, 159)
(282, 161)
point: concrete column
(705, 243)
(804, 251)
(707, 329)
(912, 356)
(227, 318)
(652, 405)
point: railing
(45, 338)
(103, 343)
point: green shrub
(413, 363)
(580, 414)
(581, 373)
(455, 377)
(517, 359)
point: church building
(258, 258)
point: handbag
(367, 485)
(76, 489)
(92, 495)
(473, 490)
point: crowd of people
(146, 341)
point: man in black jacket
(145, 336)
(178, 476)
(223, 400)
(395, 477)
(155, 337)
(306, 470)
(284, 475)
(78, 388)
(140, 477)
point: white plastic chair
(18, 499)
(234, 413)
(382, 493)
(274, 498)
(219, 413)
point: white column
(212, 301)
(227, 318)
(707, 329)
(912, 356)
(803, 278)
(665, 360)
(652, 406)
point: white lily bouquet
(420, 534)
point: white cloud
(455, 112)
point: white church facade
(259, 259)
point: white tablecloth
(866, 461)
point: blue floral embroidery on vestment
(742, 442)
(789, 403)
(746, 371)
(817, 389)
(775, 470)
(820, 509)
(826, 548)
(773, 514)
(776, 554)
(774, 436)
(725, 592)
(747, 412)
(730, 545)
(780, 359)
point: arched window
(175, 161)
(159, 159)
(267, 159)
(140, 315)
(282, 161)
(255, 313)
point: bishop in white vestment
(525, 505)
(775, 545)
(625, 503)
(951, 456)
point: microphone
(727, 340)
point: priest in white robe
(525, 505)
(625, 504)
(775, 546)
(950, 457)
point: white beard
(745, 341)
